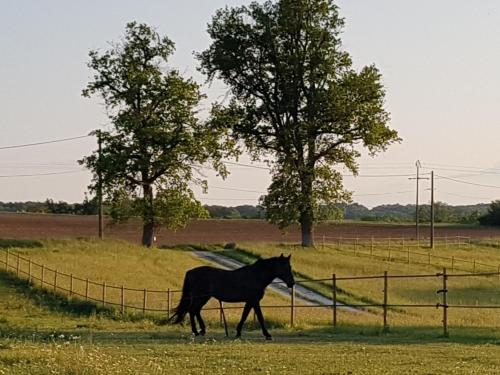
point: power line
(236, 189)
(348, 175)
(227, 199)
(462, 166)
(463, 196)
(44, 143)
(246, 165)
(380, 175)
(467, 182)
(469, 172)
(41, 174)
(380, 194)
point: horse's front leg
(244, 316)
(260, 317)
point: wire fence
(163, 301)
(400, 250)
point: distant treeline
(444, 213)
(87, 207)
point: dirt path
(303, 294)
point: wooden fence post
(7, 260)
(29, 271)
(292, 311)
(17, 265)
(71, 285)
(429, 258)
(408, 255)
(123, 300)
(87, 289)
(452, 264)
(104, 293)
(144, 301)
(355, 245)
(386, 326)
(334, 299)
(42, 277)
(474, 266)
(444, 291)
(168, 303)
(221, 312)
(55, 281)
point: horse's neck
(264, 274)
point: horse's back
(225, 285)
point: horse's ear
(289, 257)
(282, 256)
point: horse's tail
(186, 299)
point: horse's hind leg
(193, 322)
(201, 323)
(260, 317)
(199, 306)
(244, 316)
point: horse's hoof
(237, 337)
(269, 338)
(202, 333)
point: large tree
(155, 138)
(296, 102)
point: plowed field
(209, 231)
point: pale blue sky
(440, 62)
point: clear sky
(440, 61)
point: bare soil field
(40, 226)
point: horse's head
(284, 270)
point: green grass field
(42, 334)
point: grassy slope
(32, 326)
(322, 263)
(121, 263)
(44, 340)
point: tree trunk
(148, 217)
(148, 234)
(307, 214)
(307, 228)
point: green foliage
(493, 215)
(296, 101)
(8, 243)
(221, 212)
(87, 207)
(156, 139)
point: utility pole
(99, 186)
(418, 164)
(432, 210)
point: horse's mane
(261, 262)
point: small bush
(8, 243)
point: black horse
(246, 284)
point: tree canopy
(156, 140)
(492, 217)
(296, 102)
